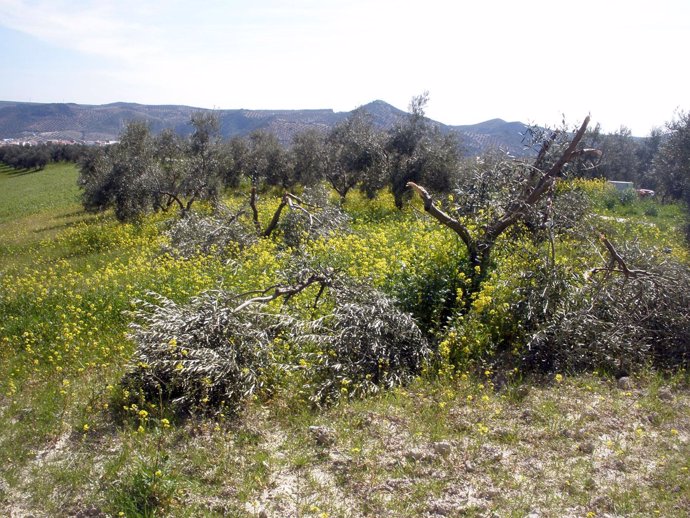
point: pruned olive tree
(633, 310)
(297, 219)
(481, 219)
(214, 352)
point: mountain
(81, 122)
(494, 133)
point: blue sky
(529, 60)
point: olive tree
(355, 154)
(171, 153)
(309, 156)
(265, 160)
(144, 173)
(619, 158)
(420, 152)
(672, 162)
(119, 177)
(235, 159)
(646, 152)
(403, 146)
(203, 178)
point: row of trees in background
(624, 157)
(660, 162)
(672, 161)
(25, 157)
(145, 173)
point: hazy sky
(625, 62)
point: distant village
(37, 140)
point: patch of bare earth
(585, 447)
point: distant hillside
(57, 121)
(494, 133)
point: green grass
(571, 446)
(25, 193)
(667, 216)
(34, 207)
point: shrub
(431, 288)
(608, 197)
(628, 196)
(651, 211)
(513, 302)
(141, 491)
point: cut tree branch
(324, 279)
(545, 149)
(276, 216)
(617, 260)
(172, 196)
(289, 199)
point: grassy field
(24, 193)
(35, 206)
(467, 444)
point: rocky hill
(58, 121)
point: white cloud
(90, 27)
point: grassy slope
(35, 206)
(26, 193)
(581, 446)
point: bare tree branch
(172, 196)
(276, 217)
(479, 248)
(545, 149)
(517, 208)
(255, 211)
(617, 260)
(324, 280)
(441, 216)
